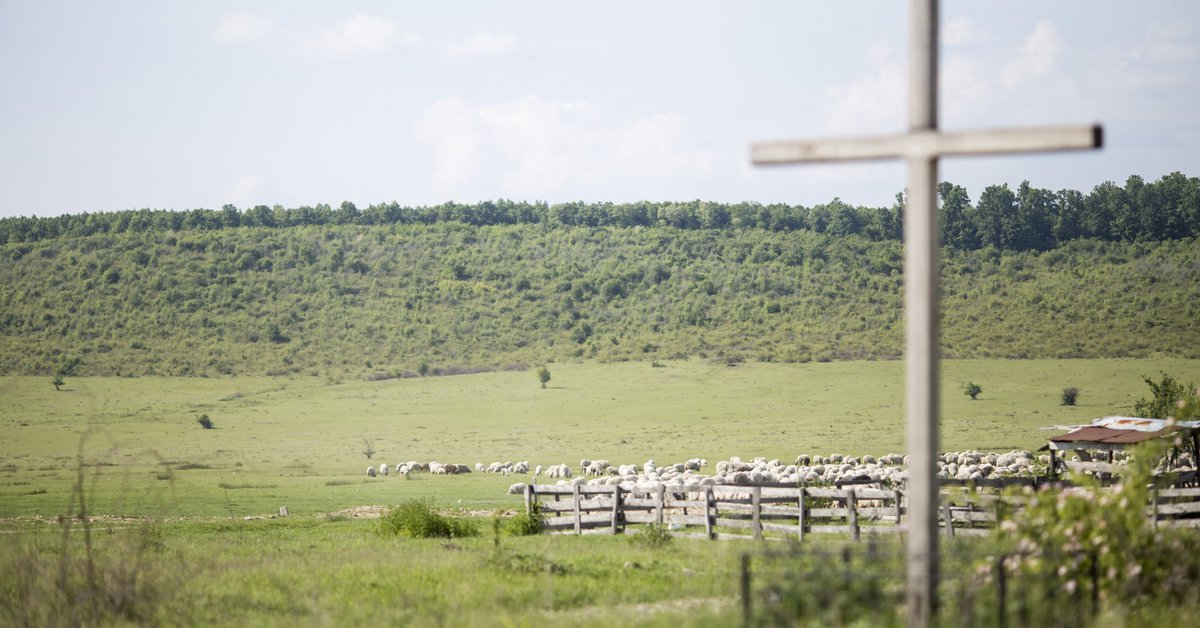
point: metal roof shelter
(1118, 433)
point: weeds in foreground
(92, 577)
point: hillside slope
(353, 301)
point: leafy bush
(526, 523)
(205, 422)
(1167, 395)
(1088, 534)
(972, 390)
(652, 536)
(1069, 395)
(415, 518)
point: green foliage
(415, 518)
(1068, 538)
(972, 390)
(274, 300)
(1069, 396)
(58, 382)
(205, 422)
(1167, 395)
(543, 375)
(526, 523)
(368, 448)
(652, 536)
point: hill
(355, 301)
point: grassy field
(299, 442)
(199, 550)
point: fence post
(899, 508)
(803, 491)
(616, 512)
(1095, 585)
(578, 521)
(949, 520)
(1001, 593)
(756, 505)
(852, 514)
(1154, 507)
(708, 516)
(746, 623)
(660, 497)
(529, 499)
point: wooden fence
(724, 511)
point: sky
(130, 104)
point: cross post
(921, 147)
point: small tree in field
(543, 376)
(1069, 396)
(58, 382)
(972, 389)
(205, 422)
(368, 450)
(1167, 395)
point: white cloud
(243, 27)
(1038, 56)
(360, 35)
(873, 102)
(482, 44)
(961, 31)
(534, 148)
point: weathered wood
(800, 516)
(616, 507)
(757, 514)
(660, 497)
(745, 524)
(946, 516)
(928, 143)
(578, 515)
(529, 499)
(1181, 508)
(577, 523)
(708, 515)
(1179, 492)
(852, 518)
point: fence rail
(725, 511)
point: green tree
(58, 382)
(955, 210)
(1167, 395)
(543, 375)
(972, 390)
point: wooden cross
(921, 147)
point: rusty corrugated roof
(1107, 435)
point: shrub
(416, 519)
(972, 390)
(1167, 395)
(526, 523)
(205, 422)
(1070, 537)
(652, 536)
(1069, 395)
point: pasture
(199, 549)
(299, 441)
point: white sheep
(371, 472)
(383, 469)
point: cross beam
(926, 144)
(921, 147)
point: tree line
(1025, 219)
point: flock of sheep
(889, 469)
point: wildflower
(1069, 587)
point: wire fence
(864, 585)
